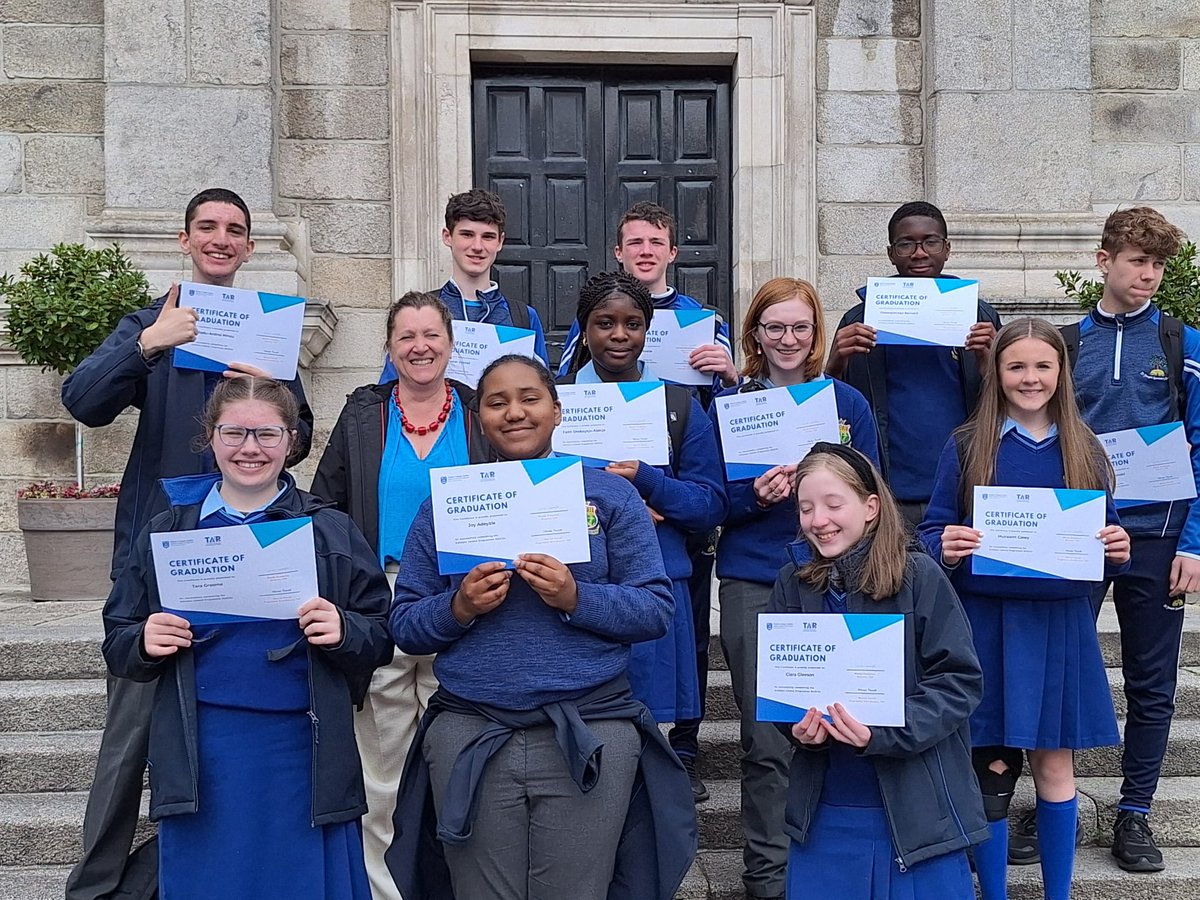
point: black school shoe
(699, 788)
(1023, 847)
(1133, 843)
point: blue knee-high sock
(1056, 839)
(991, 862)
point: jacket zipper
(949, 798)
(1117, 350)
(316, 729)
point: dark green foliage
(66, 302)
(1179, 294)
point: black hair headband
(859, 463)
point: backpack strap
(1070, 335)
(679, 408)
(520, 314)
(1170, 336)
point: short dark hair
(595, 291)
(475, 205)
(215, 195)
(916, 208)
(245, 387)
(1143, 227)
(420, 300)
(645, 211)
(529, 362)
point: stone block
(54, 51)
(10, 164)
(107, 449)
(1129, 172)
(31, 393)
(148, 166)
(1145, 18)
(868, 64)
(342, 15)
(1160, 118)
(349, 227)
(341, 57)
(357, 343)
(348, 281)
(1191, 65)
(327, 389)
(38, 223)
(76, 12)
(1191, 172)
(338, 114)
(73, 107)
(13, 567)
(61, 164)
(868, 18)
(145, 41)
(972, 45)
(1123, 63)
(838, 277)
(334, 170)
(1050, 49)
(869, 174)
(229, 41)
(847, 230)
(868, 119)
(33, 450)
(978, 165)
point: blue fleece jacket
(1020, 462)
(525, 654)
(492, 308)
(754, 541)
(1121, 381)
(670, 300)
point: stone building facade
(346, 123)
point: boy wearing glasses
(919, 395)
(133, 368)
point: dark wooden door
(569, 150)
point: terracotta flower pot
(68, 546)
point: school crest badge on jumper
(843, 431)
(593, 520)
(1157, 370)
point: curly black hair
(596, 291)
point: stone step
(44, 829)
(33, 882)
(34, 762)
(57, 650)
(716, 875)
(68, 704)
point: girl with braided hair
(685, 497)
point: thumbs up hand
(175, 325)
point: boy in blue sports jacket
(474, 233)
(1135, 367)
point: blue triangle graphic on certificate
(1129, 503)
(1069, 499)
(773, 711)
(459, 563)
(593, 463)
(1152, 433)
(274, 302)
(981, 565)
(687, 317)
(946, 285)
(267, 533)
(808, 390)
(186, 360)
(742, 471)
(631, 390)
(889, 337)
(862, 624)
(540, 470)
(507, 333)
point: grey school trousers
(536, 835)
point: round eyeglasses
(905, 247)
(267, 436)
(776, 330)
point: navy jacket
(114, 378)
(348, 474)
(348, 575)
(930, 794)
(658, 841)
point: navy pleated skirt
(849, 856)
(662, 673)
(1044, 684)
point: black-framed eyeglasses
(267, 436)
(905, 247)
(776, 330)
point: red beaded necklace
(432, 426)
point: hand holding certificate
(253, 327)
(1039, 533)
(775, 427)
(922, 312)
(672, 336)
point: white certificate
(672, 336)
(267, 570)
(251, 327)
(499, 511)
(924, 312)
(775, 427)
(476, 344)
(1039, 533)
(808, 660)
(605, 423)
(1152, 464)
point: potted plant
(1178, 295)
(63, 305)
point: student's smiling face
(1029, 370)
(249, 467)
(218, 242)
(473, 246)
(832, 516)
(615, 335)
(644, 252)
(921, 263)
(516, 411)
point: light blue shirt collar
(587, 374)
(213, 503)
(1013, 425)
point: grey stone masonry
(335, 113)
(320, 15)
(336, 57)
(54, 51)
(62, 12)
(64, 164)
(229, 41)
(1124, 63)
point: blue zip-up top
(754, 541)
(1121, 381)
(672, 299)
